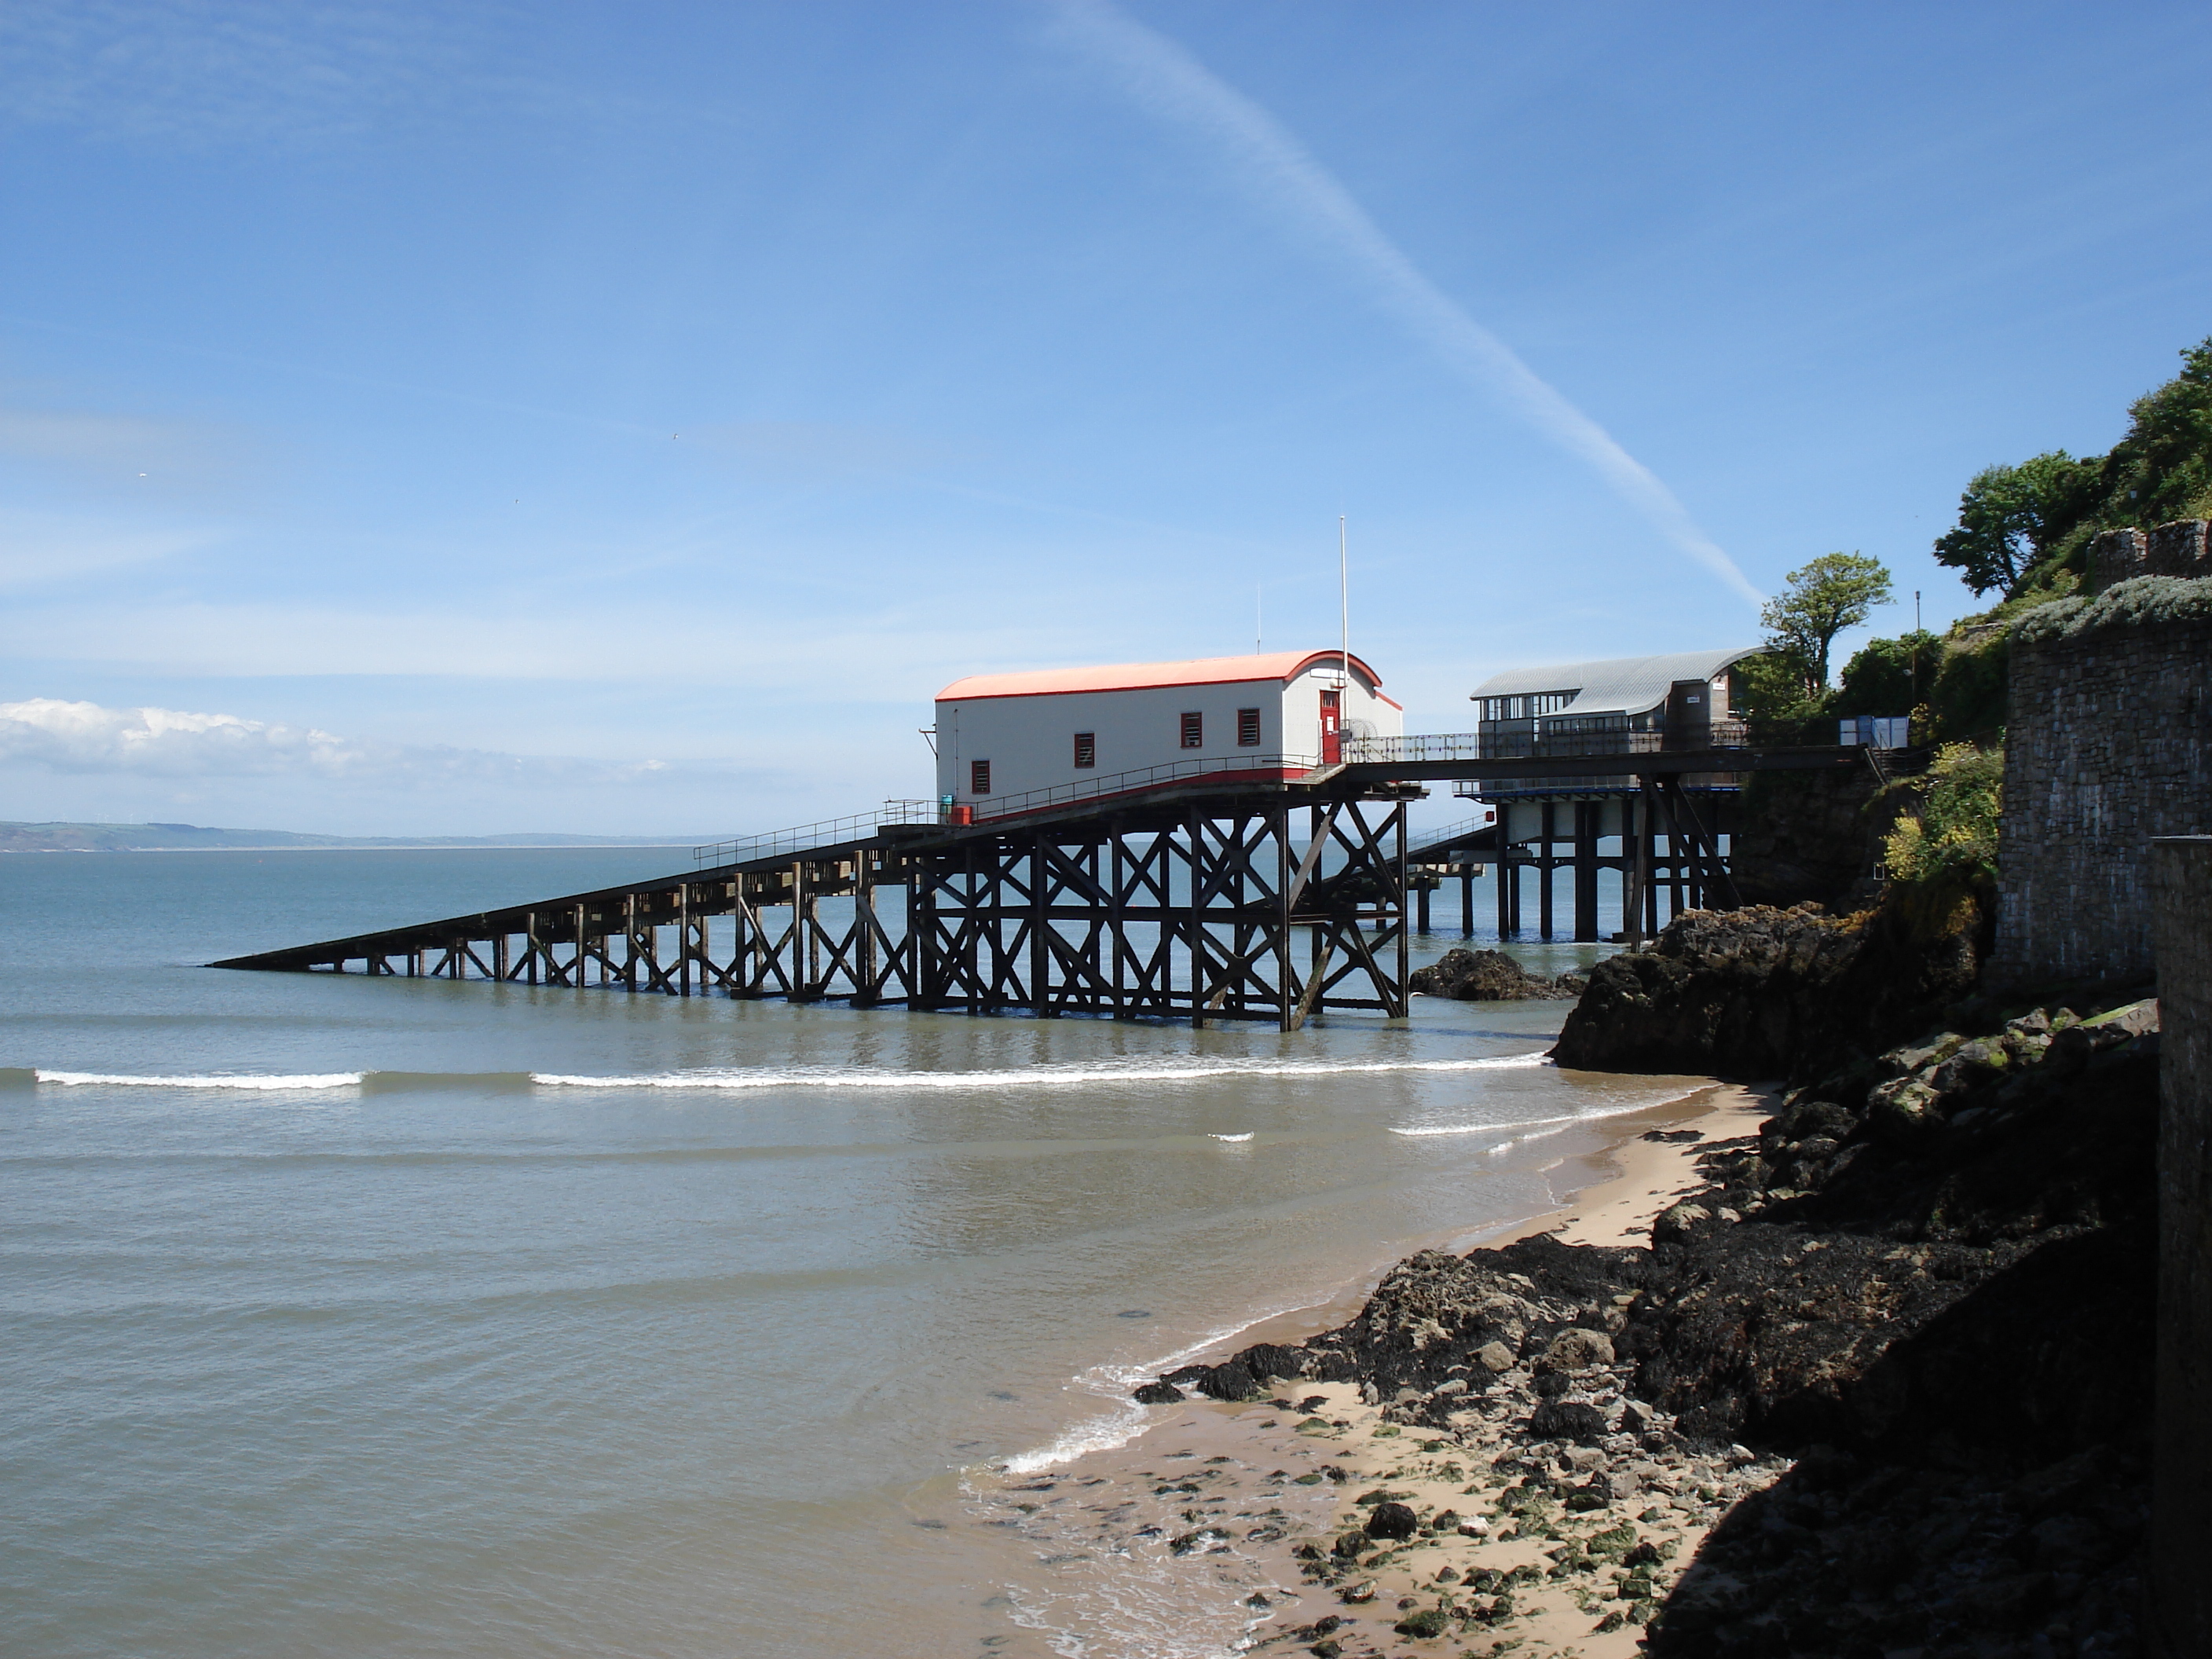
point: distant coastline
(59, 837)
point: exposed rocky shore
(1898, 1348)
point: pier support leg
(1544, 876)
(1586, 829)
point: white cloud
(1172, 84)
(173, 743)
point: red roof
(1144, 676)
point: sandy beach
(1200, 1536)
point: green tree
(2012, 518)
(2020, 525)
(1889, 677)
(1771, 686)
(2162, 470)
(1832, 593)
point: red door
(1332, 732)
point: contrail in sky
(1174, 85)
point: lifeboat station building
(1631, 705)
(1004, 742)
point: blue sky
(622, 418)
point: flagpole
(1343, 592)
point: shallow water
(353, 1315)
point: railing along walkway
(992, 808)
(805, 837)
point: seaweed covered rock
(1440, 1328)
(1765, 992)
(1981, 1277)
(1488, 976)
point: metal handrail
(1417, 846)
(805, 836)
(1529, 745)
(1357, 750)
(1117, 783)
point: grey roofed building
(1618, 691)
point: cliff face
(1769, 994)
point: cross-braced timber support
(1274, 912)
(1251, 907)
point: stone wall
(2183, 548)
(2181, 1520)
(2108, 743)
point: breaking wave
(1094, 1074)
(1089, 1075)
(264, 1082)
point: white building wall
(1031, 740)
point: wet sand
(1187, 1541)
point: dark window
(1248, 728)
(1086, 749)
(979, 777)
(1194, 730)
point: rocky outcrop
(1489, 977)
(1928, 1281)
(1762, 992)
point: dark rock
(1392, 1520)
(1566, 1420)
(1577, 1350)
(1158, 1393)
(1763, 993)
(1810, 1118)
(1485, 976)
(2006, 1602)
(1250, 1374)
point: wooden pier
(1270, 903)
(1217, 899)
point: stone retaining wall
(2108, 743)
(2183, 548)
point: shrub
(1948, 853)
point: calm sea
(375, 1317)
